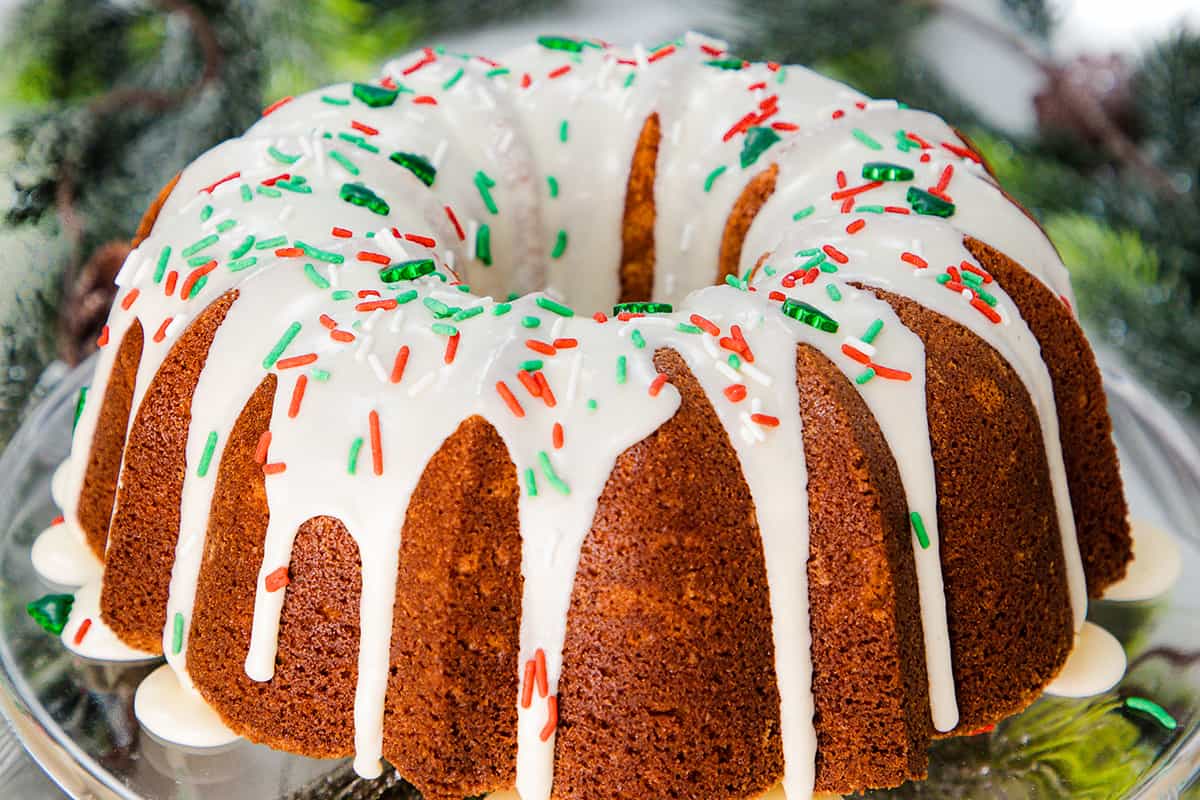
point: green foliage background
(101, 102)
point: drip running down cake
(591, 423)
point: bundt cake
(828, 474)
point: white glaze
(1155, 568)
(61, 558)
(490, 122)
(98, 641)
(176, 714)
(1096, 665)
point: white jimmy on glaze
(532, 159)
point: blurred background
(1089, 111)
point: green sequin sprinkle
(923, 202)
(418, 165)
(641, 307)
(563, 43)
(592, 404)
(886, 171)
(407, 270)
(918, 526)
(375, 96)
(809, 315)
(51, 611)
(757, 140)
(359, 195)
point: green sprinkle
(903, 143)
(629, 79)
(242, 263)
(198, 261)
(834, 293)
(530, 482)
(270, 244)
(532, 365)
(919, 528)
(872, 331)
(317, 278)
(320, 255)
(407, 271)
(352, 461)
(198, 286)
(225, 225)
(196, 247)
(342, 294)
(563, 43)
(483, 245)
(51, 611)
(406, 297)
(551, 475)
(865, 138)
(943, 278)
(622, 369)
(735, 282)
(563, 128)
(442, 329)
(886, 171)
(334, 101)
(734, 361)
(247, 195)
(497, 72)
(638, 340)
(712, 177)
(592, 404)
(554, 306)
(1160, 714)
(641, 307)
(870, 209)
(346, 163)
(512, 296)
(161, 268)
(867, 374)
(816, 260)
(79, 404)
(553, 183)
(358, 141)
(267, 191)
(530, 322)
(242, 248)
(205, 213)
(809, 315)
(319, 374)
(923, 202)
(437, 307)
(177, 634)
(986, 297)
(418, 165)
(971, 279)
(484, 184)
(455, 78)
(206, 457)
(281, 157)
(560, 245)
(359, 195)
(467, 313)
(756, 142)
(281, 345)
(726, 63)
(375, 96)
(500, 309)
(684, 327)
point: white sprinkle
(755, 374)
(377, 366)
(573, 380)
(606, 68)
(371, 319)
(486, 100)
(859, 344)
(286, 213)
(396, 321)
(391, 245)
(556, 329)
(747, 434)
(364, 347)
(685, 241)
(729, 372)
(710, 346)
(422, 384)
(639, 54)
(132, 262)
(333, 275)
(177, 325)
(448, 259)
(505, 141)
(755, 406)
(439, 153)
(472, 232)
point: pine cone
(86, 304)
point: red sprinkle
(59, 520)
(527, 685)
(540, 347)
(84, 627)
(451, 348)
(274, 469)
(297, 396)
(838, 114)
(656, 385)
(424, 241)
(277, 580)
(914, 259)
(530, 383)
(342, 336)
(427, 58)
(376, 443)
(969, 267)
(985, 309)
(283, 101)
(161, 333)
(283, 176)
(509, 399)
(399, 364)
(540, 676)
(526, 80)
(458, 228)
(600, 317)
(102, 339)
(425, 100)
(547, 394)
(766, 420)
(169, 285)
(328, 321)
(264, 444)
(361, 126)
(736, 392)
(556, 435)
(374, 258)
(296, 361)
(856, 354)
(843, 192)
(552, 721)
(896, 210)
(856, 226)
(704, 325)
(663, 53)
(964, 152)
(374, 305)
(190, 281)
(777, 296)
(840, 178)
(215, 184)
(891, 374)
(129, 298)
(558, 73)
(341, 233)
(835, 254)
(565, 344)
(289, 252)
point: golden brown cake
(828, 474)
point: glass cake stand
(76, 717)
